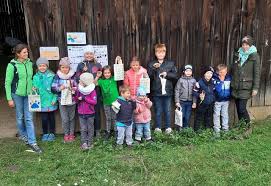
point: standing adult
(245, 77)
(18, 85)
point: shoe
(84, 146)
(137, 142)
(23, 139)
(66, 138)
(107, 135)
(97, 133)
(51, 137)
(71, 138)
(168, 130)
(45, 137)
(35, 148)
(157, 130)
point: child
(92, 66)
(124, 108)
(42, 82)
(110, 93)
(133, 75)
(65, 81)
(162, 73)
(142, 115)
(203, 99)
(183, 94)
(86, 98)
(223, 94)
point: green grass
(181, 159)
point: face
(141, 98)
(89, 56)
(245, 46)
(64, 69)
(23, 55)
(42, 68)
(135, 65)
(160, 54)
(208, 75)
(222, 72)
(126, 95)
(107, 74)
(188, 73)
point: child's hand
(62, 87)
(99, 74)
(178, 105)
(74, 88)
(53, 103)
(156, 65)
(85, 68)
(11, 103)
(194, 105)
(34, 88)
(146, 99)
(254, 92)
(80, 98)
(202, 96)
(163, 74)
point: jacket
(142, 113)
(125, 114)
(156, 87)
(18, 78)
(92, 68)
(109, 90)
(246, 77)
(86, 105)
(184, 89)
(222, 88)
(132, 79)
(208, 88)
(43, 82)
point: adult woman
(245, 77)
(18, 85)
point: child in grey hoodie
(183, 94)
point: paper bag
(145, 82)
(34, 103)
(118, 69)
(178, 117)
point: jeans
(186, 110)
(221, 109)
(97, 108)
(241, 106)
(162, 104)
(86, 128)
(127, 132)
(203, 115)
(48, 122)
(24, 118)
(67, 113)
(143, 129)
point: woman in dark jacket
(245, 77)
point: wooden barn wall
(198, 32)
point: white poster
(76, 38)
(50, 53)
(76, 55)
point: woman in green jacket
(245, 77)
(18, 85)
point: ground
(237, 158)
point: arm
(8, 81)
(177, 91)
(148, 103)
(196, 92)
(172, 74)
(256, 74)
(126, 79)
(151, 70)
(92, 98)
(55, 85)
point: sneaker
(71, 138)
(51, 137)
(84, 146)
(157, 130)
(34, 147)
(23, 139)
(168, 130)
(66, 139)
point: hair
(124, 88)
(159, 47)
(135, 58)
(18, 48)
(107, 67)
(221, 67)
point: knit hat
(86, 78)
(42, 60)
(64, 61)
(88, 48)
(186, 67)
(141, 91)
(248, 40)
(206, 69)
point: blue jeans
(186, 110)
(162, 104)
(143, 129)
(125, 132)
(24, 118)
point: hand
(74, 88)
(62, 87)
(178, 105)
(53, 103)
(194, 105)
(99, 74)
(11, 103)
(145, 75)
(80, 98)
(156, 65)
(85, 68)
(34, 88)
(254, 92)
(163, 74)
(146, 99)
(202, 96)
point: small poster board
(76, 38)
(50, 53)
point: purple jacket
(86, 105)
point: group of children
(128, 105)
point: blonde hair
(160, 47)
(123, 89)
(221, 67)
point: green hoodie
(23, 85)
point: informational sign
(50, 53)
(76, 55)
(76, 38)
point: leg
(208, 116)
(107, 111)
(45, 120)
(65, 119)
(129, 134)
(19, 107)
(216, 117)
(167, 110)
(28, 117)
(83, 129)
(139, 131)
(71, 119)
(52, 123)
(90, 129)
(158, 110)
(97, 121)
(199, 117)
(147, 131)
(225, 115)
(121, 134)
(243, 110)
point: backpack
(15, 78)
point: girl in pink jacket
(133, 75)
(142, 115)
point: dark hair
(124, 88)
(18, 48)
(135, 58)
(107, 67)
